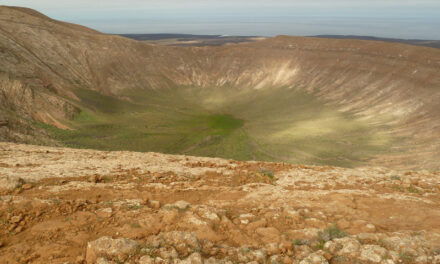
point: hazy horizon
(391, 19)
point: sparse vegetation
(395, 178)
(134, 206)
(300, 242)
(135, 225)
(318, 245)
(20, 183)
(342, 259)
(331, 233)
(267, 172)
(406, 257)
(107, 179)
(412, 189)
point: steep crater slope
(316, 101)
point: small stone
(275, 259)
(208, 214)
(313, 222)
(367, 237)
(194, 258)
(168, 253)
(27, 186)
(211, 260)
(16, 219)
(246, 216)
(80, 259)
(331, 247)
(315, 258)
(104, 261)
(370, 228)
(146, 260)
(259, 256)
(244, 221)
(294, 215)
(182, 205)
(302, 251)
(154, 204)
(272, 249)
(12, 227)
(421, 259)
(105, 212)
(286, 245)
(394, 255)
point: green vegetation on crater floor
(276, 124)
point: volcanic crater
(292, 99)
(330, 104)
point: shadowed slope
(299, 97)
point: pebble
(16, 219)
(182, 204)
(105, 212)
(154, 204)
(27, 186)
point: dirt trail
(54, 201)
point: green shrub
(267, 172)
(331, 233)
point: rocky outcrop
(61, 205)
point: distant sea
(414, 28)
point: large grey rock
(111, 248)
(349, 246)
(372, 253)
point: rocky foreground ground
(60, 205)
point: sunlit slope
(343, 102)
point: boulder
(108, 247)
(194, 258)
(315, 258)
(372, 253)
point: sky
(417, 19)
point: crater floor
(277, 124)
